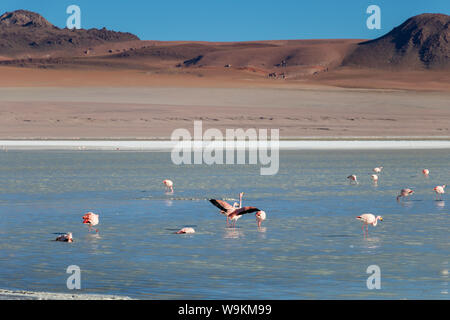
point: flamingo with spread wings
(225, 207)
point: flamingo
(169, 185)
(352, 179)
(260, 217)
(374, 178)
(225, 207)
(405, 193)
(426, 172)
(185, 230)
(368, 218)
(91, 219)
(65, 237)
(439, 191)
(377, 169)
(237, 213)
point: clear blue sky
(233, 20)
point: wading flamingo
(185, 230)
(169, 185)
(225, 207)
(236, 214)
(439, 191)
(91, 219)
(377, 169)
(374, 178)
(65, 237)
(352, 179)
(368, 218)
(260, 217)
(426, 172)
(405, 193)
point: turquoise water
(310, 247)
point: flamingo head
(69, 236)
(379, 218)
(236, 205)
(260, 215)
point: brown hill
(422, 41)
(27, 33)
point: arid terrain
(58, 83)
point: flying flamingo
(405, 193)
(352, 179)
(377, 169)
(439, 191)
(185, 230)
(91, 219)
(426, 172)
(368, 218)
(65, 237)
(225, 207)
(169, 185)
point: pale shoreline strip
(31, 295)
(167, 145)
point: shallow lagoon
(310, 247)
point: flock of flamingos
(236, 211)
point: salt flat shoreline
(168, 145)
(31, 295)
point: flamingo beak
(381, 219)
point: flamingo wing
(245, 210)
(222, 205)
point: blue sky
(233, 20)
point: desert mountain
(29, 40)
(422, 41)
(25, 32)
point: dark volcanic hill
(24, 32)
(422, 41)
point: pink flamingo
(260, 217)
(237, 213)
(377, 169)
(185, 230)
(352, 179)
(439, 191)
(405, 193)
(65, 237)
(426, 172)
(368, 218)
(225, 207)
(374, 178)
(169, 185)
(91, 219)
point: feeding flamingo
(374, 178)
(352, 179)
(65, 237)
(439, 191)
(260, 217)
(185, 230)
(405, 193)
(377, 169)
(91, 219)
(225, 207)
(426, 172)
(169, 185)
(368, 218)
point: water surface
(310, 247)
